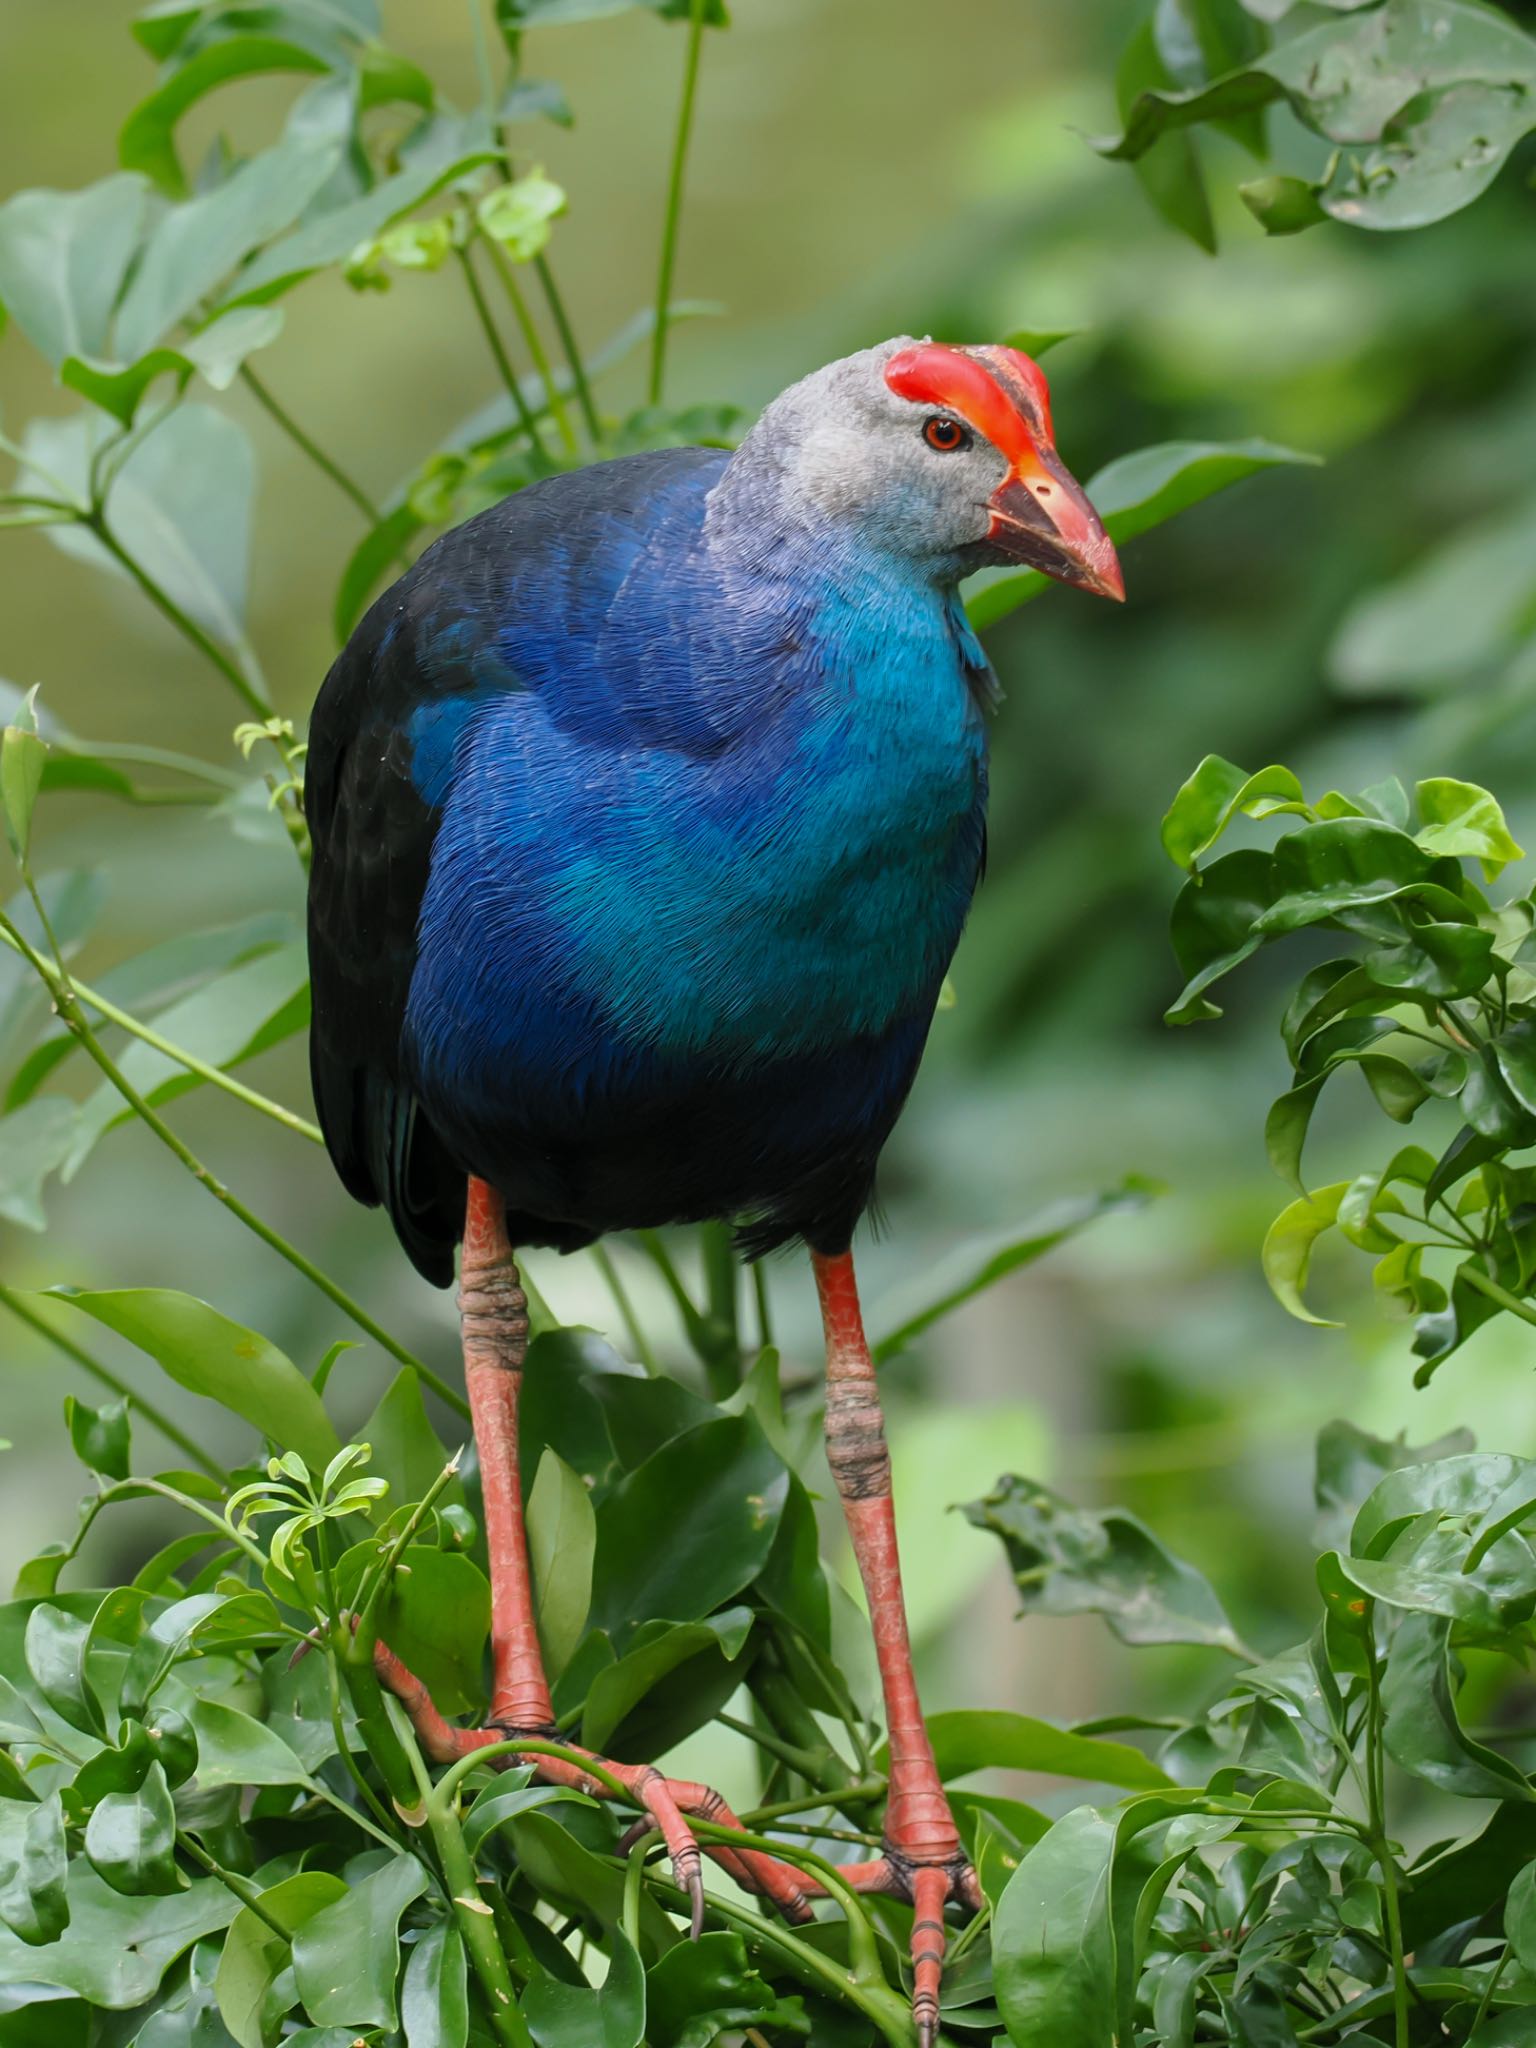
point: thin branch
(563, 328)
(494, 341)
(675, 199)
(302, 441)
(501, 263)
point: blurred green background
(857, 172)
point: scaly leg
(923, 1861)
(493, 1314)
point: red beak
(1042, 519)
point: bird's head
(941, 454)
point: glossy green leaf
(658, 1650)
(718, 1491)
(33, 1862)
(1053, 1940)
(408, 1453)
(1214, 795)
(1214, 927)
(1288, 1243)
(130, 1839)
(1512, 1506)
(562, 1868)
(55, 1651)
(1169, 171)
(702, 1989)
(210, 1355)
(1131, 495)
(434, 1999)
(973, 1740)
(562, 1538)
(380, 549)
(346, 1958)
(1462, 819)
(1069, 1560)
(115, 1950)
(1422, 1731)
(493, 1810)
(565, 2016)
(234, 1749)
(1520, 1918)
(980, 1262)
(254, 1952)
(436, 1620)
(100, 1436)
(63, 258)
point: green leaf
(567, 2016)
(1131, 495)
(1520, 1918)
(148, 139)
(33, 1862)
(1217, 791)
(1515, 1503)
(100, 1436)
(180, 504)
(1288, 1243)
(255, 1953)
(34, 1141)
(1053, 1941)
(980, 1262)
(1460, 818)
(234, 1749)
(22, 755)
(1422, 1732)
(380, 548)
(130, 1839)
(1069, 1560)
(197, 244)
(702, 1989)
(492, 1810)
(659, 1649)
(436, 1621)
(975, 1740)
(216, 352)
(115, 1950)
(222, 1360)
(434, 2000)
(562, 1537)
(718, 1491)
(55, 1652)
(346, 1958)
(63, 258)
(408, 1453)
(1169, 170)
(1282, 205)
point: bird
(647, 808)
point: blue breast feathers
(691, 811)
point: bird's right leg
(493, 1313)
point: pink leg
(923, 1861)
(493, 1314)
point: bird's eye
(945, 434)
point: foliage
(1434, 1004)
(1422, 100)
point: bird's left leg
(924, 1861)
(493, 1314)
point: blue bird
(647, 810)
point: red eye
(945, 434)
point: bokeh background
(857, 172)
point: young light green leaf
(22, 755)
(520, 216)
(1288, 1243)
(1217, 791)
(562, 1538)
(1462, 819)
(222, 1360)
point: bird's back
(639, 862)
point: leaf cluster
(1434, 1003)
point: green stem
(764, 1306)
(244, 1891)
(530, 1745)
(248, 688)
(851, 1795)
(156, 1417)
(214, 1075)
(1476, 1277)
(317, 455)
(567, 334)
(675, 200)
(722, 1364)
(501, 264)
(372, 1590)
(1376, 1820)
(475, 1919)
(530, 425)
(603, 1260)
(73, 1020)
